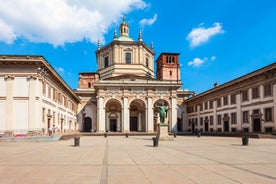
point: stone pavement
(118, 159)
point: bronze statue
(162, 112)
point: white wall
(2, 87)
(2, 115)
(20, 114)
(21, 87)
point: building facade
(123, 95)
(246, 104)
(33, 97)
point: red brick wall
(87, 80)
(168, 71)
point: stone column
(139, 122)
(100, 114)
(173, 118)
(9, 92)
(125, 115)
(149, 123)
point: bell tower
(168, 67)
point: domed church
(123, 94)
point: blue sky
(218, 40)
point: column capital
(9, 77)
(31, 77)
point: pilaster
(9, 92)
(32, 102)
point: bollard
(77, 141)
(198, 134)
(105, 135)
(155, 141)
(245, 140)
(126, 135)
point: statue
(162, 112)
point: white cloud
(197, 62)
(213, 58)
(149, 22)
(201, 35)
(6, 33)
(61, 21)
(60, 70)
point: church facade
(123, 95)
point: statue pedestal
(162, 133)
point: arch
(109, 100)
(113, 118)
(137, 115)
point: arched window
(147, 62)
(172, 60)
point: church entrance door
(133, 123)
(113, 125)
(87, 124)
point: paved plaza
(117, 159)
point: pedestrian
(51, 130)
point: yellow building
(123, 95)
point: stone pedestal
(162, 133)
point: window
(170, 72)
(255, 93)
(219, 102)
(245, 95)
(245, 116)
(43, 114)
(268, 114)
(201, 107)
(211, 104)
(189, 109)
(206, 105)
(89, 85)
(211, 120)
(219, 119)
(106, 61)
(201, 121)
(49, 92)
(147, 62)
(233, 118)
(225, 100)
(128, 58)
(233, 99)
(268, 89)
(44, 88)
(54, 117)
(170, 60)
(196, 121)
